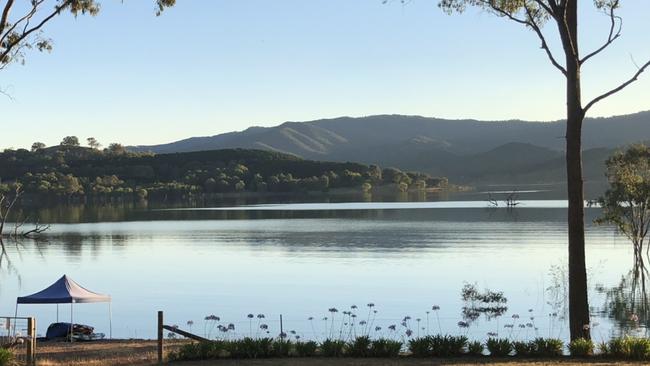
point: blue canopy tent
(67, 291)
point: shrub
(281, 348)
(475, 348)
(446, 346)
(581, 347)
(638, 348)
(306, 349)
(548, 347)
(385, 348)
(359, 347)
(603, 349)
(250, 348)
(499, 347)
(420, 347)
(332, 348)
(523, 349)
(615, 348)
(7, 357)
(198, 351)
(628, 348)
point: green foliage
(70, 141)
(332, 348)
(447, 346)
(420, 347)
(199, 351)
(7, 358)
(499, 347)
(385, 348)
(626, 204)
(306, 349)
(438, 346)
(523, 349)
(548, 347)
(251, 348)
(72, 173)
(359, 347)
(626, 348)
(281, 348)
(475, 348)
(581, 347)
(638, 348)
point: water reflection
(627, 303)
(295, 262)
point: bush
(638, 348)
(475, 348)
(7, 357)
(306, 349)
(332, 348)
(420, 347)
(548, 347)
(628, 348)
(250, 348)
(281, 348)
(359, 347)
(499, 347)
(197, 351)
(385, 348)
(447, 346)
(523, 349)
(581, 347)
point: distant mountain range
(466, 151)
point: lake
(301, 259)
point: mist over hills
(466, 151)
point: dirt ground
(140, 352)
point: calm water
(299, 260)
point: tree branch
(533, 24)
(24, 35)
(5, 15)
(618, 88)
(613, 35)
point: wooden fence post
(31, 343)
(160, 337)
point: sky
(208, 67)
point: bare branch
(38, 229)
(618, 88)
(533, 24)
(614, 33)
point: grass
(141, 352)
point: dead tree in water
(492, 201)
(7, 205)
(511, 200)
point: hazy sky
(207, 67)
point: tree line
(71, 173)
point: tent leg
(110, 322)
(71, 322)
(15, 316)
(57, 313)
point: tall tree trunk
(578, 302)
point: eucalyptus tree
(22, 23)
(626, 203)
(562, 15)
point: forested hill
(78, 173)
(466, 151)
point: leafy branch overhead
(22, 25)
(534, 14)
